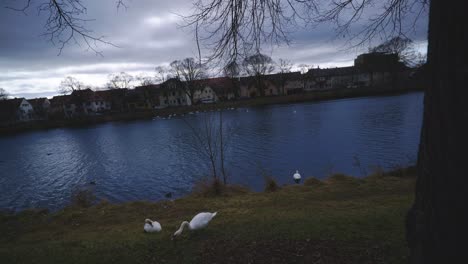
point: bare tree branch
(69, 85)
(234, 28)
(120, 81)
(3, 94)
(66, 23)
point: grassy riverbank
(142, 115)
(339, 220)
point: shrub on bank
(270, 184)
(341, 178)
(83, 198)
(311, 181)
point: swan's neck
(184, 224)
(181, 228)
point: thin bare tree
(120, 81)
(66, 22)
(3, 94)
(402, 47)
(70, 84)
(210, 141)
(257, 66)
(232, 70)
(304, 68)
(162, 73)
(284, 68)
(144, 80)
(206, 141)
(189, 71)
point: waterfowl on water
(297, 177)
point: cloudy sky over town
(147, 34)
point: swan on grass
(151, 226)
(199, 221)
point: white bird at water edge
(199, 221)
(152, 226)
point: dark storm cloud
(147, 34)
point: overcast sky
(147, 34)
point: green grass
(342, 220)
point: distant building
(271, 85)
(57, 109)
(221, 89)
(173, 93)
(80, 103)
(41, 107)
(138, 100)
(369, 70)
(284, 83)
(332, 78)
(15, 110)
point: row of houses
(369, 70)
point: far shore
(259, 101)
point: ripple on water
(147, 159)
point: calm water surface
(143, 160)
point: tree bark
(437, 222)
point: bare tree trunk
(221, 147)
(211, 144)
(437, 222)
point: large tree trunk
(437, 222)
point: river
(144, 160)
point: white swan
(297, 177)
(199, 221)
(152, 226)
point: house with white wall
(15, 110)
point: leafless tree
(144, 80)
(210, 140)
(66, 22)
(284, 68)
(3, 94)
(234, 27)
(120, 81)
(257, 66)
(70, 84)
(162, 74)
(206, 141)
(304, 68)
(402, 47)
(232, 70)
(189, 71)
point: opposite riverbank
(338, 220)
(145, 115)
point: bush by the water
(270, 184)
(311, 181)
(83, 198)
(341, 178)
(207, 187)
